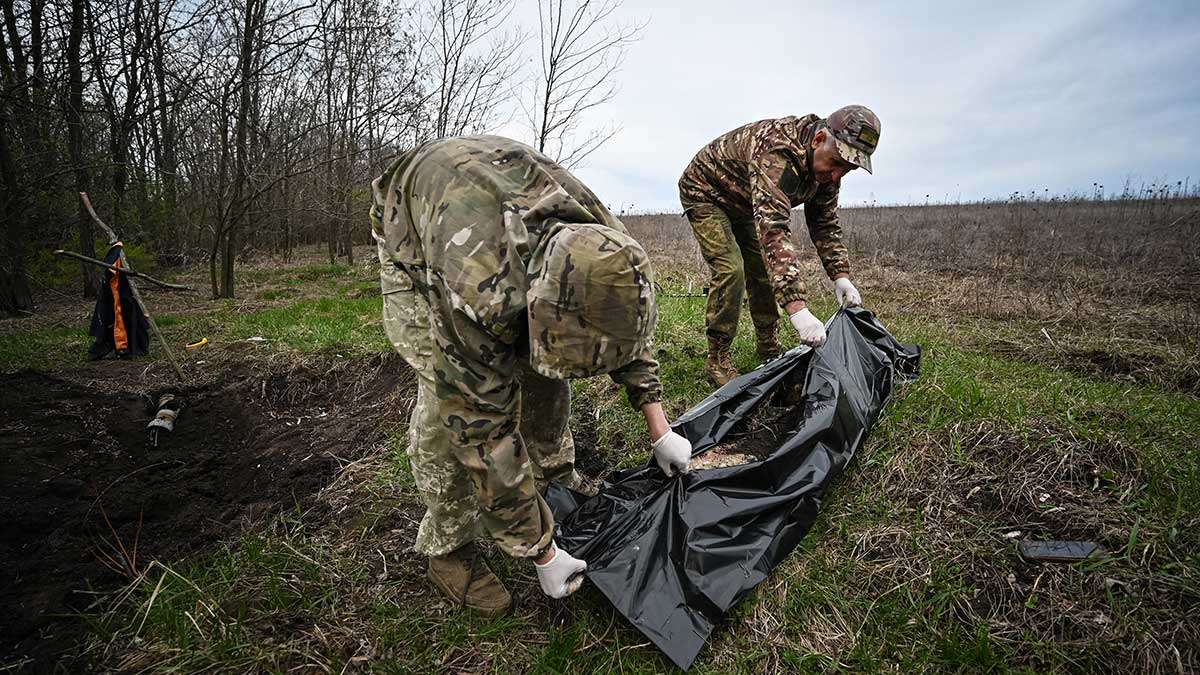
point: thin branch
(121, 270)
(87, 204)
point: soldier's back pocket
(406, 317)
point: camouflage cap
(591, 302)
(856, 130)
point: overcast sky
(976, 99)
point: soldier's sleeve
(479, 399)
(772, 213)
(640, 379)
(821, 216)
(380, 187)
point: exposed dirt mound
(75, 458)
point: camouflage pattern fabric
(591, 302)
(735, 260)
(462, 220)
(452, 508)
(758, 173)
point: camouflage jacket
(462, 217)
(758, 173)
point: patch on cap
(868, 138)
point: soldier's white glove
(673, 453)
(810, 328)
(562, 575)
(847, 294)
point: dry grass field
(1058, 400)
(1114, 284)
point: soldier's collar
(806, 139)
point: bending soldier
(503, 276)
(738, 193)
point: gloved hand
(810, 328)
(562, 575)
(847, 294)
(673, 453)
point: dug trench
(86, 498)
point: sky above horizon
(976, 99)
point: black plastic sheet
(674, 554)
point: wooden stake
(137, 297)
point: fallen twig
(118, 558)
(122, 270)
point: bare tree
(118, 40)
(581, 49)
(228, 127)
(248, 55)
(22, 146)
(75, 142)
(471, 61)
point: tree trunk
(14, 287)
(285, 213)
(19, 63)
(254, 9)
(223, 209)
(167, 167)
(74, 115)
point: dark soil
(591, 461)
(80, 479)
(754, 438)
(762, 432)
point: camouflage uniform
(465, 229)
(738, 193)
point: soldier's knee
(729, 269)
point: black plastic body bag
(674, 554)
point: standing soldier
(503, 276)
(738, 193)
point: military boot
(766, 344)
(719, 364)
(465, 578)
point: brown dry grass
(1113, 286)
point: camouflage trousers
(735, 263)
(445, 485)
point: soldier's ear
(818, 138)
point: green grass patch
(320, 271)
(277, 293)
(397, 467)
(352, 326)
(315, 324)
(960, 388)
(205, 613)
(43, 349)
